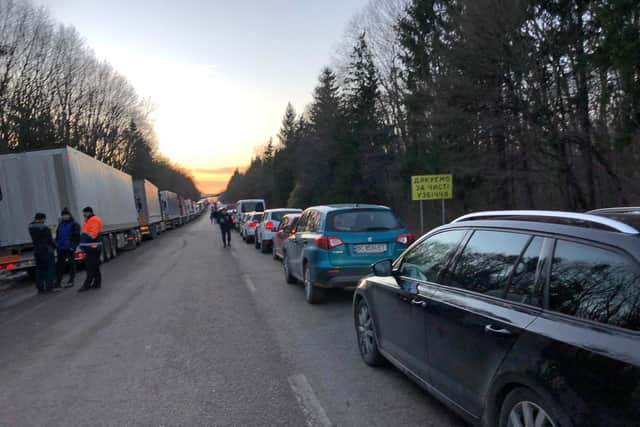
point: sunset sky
(219, 73)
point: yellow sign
(432, 187)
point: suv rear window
(252, 206)
(362, 220)
(257, 217)
(595, 284)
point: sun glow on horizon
(200, 114)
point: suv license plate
(370, 249)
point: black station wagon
(515, 318)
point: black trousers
(45, 271)
(92, 264)
(66, 262)
(226, 235)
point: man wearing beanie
(91, 244)
(67, 240)
(43, 247)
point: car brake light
(328, 242)
(252, 224)
(405, 239)
(10, 267)
(269, 225)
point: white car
(267, 228)
(248, 227)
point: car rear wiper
(377, 229)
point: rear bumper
(341, 277)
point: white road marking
(249, 282)
(313, 410)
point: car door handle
(492, 329)
(418, 302)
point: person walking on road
(91, 244)
(43, 251)
(67, 240)
(224, 220)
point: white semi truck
(48, 181)
(149, 210)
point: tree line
(54, 91)
(528, 103)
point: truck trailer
(48, 181)
(171, 209)
(148, 206)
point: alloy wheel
(366, 338)
(529, 414)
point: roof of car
(292, 210)
(346, 206)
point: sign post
(431, 187)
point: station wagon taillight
(269, 225)
(252, 224)
(329, 242)
(405, 239)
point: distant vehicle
(334, 246)
(267, 227)
(49, 180)
(283, 232)
(515, 318)
(171, 209)
(249, 226)
(148, 206)
(248, 205)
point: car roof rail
(559, 217)
(620, 210)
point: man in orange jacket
(91, 244)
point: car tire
(312, 293)
(524, 400)
(264, 248)
(365, 333)
(288, 277)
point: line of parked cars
(511, 318)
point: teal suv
(334, 246)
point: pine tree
(288, 128)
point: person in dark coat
(67, 240)
(225, 223)
(43, 252)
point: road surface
(187, 333)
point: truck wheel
(106, 249)
(114, 246)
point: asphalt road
(187, 333)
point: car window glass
(426, 260)
(283, 223)
(522, 287)
(313, 222)
(362, 220)
(487, 261)
(302, 223)
(595, 284)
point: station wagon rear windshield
(362, 220)
(277, 216)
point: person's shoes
(96, 287)
(68, 285)
(54, 290)
(84, 289)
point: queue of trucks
(49, 180)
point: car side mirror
(383, 268)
